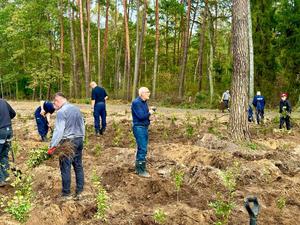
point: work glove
(51, 150)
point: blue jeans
(141, 137)
(65, 168)
(5, 134)
(100, 111)
(42, 125)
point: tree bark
(99, 41)
(210, 64)
(88, 44)
(136, 63)
(73, 80)
(238, 123)
(185, 51)
(61, 18)
(86, 67)
(127, 52)
(201, 46)
(156, 49)
(105, 44)
(251, 54)
(140, 41)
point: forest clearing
(193, 144)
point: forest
(181, 50)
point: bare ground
(193, 141)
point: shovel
(253, 210)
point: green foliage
(98, 149)
(101, 198)
(252, 146)
(15, 145)
(37, 156)
(281, 202)
(178, 178)
(118, 134)
(222, 209)
(159, 216)
(20, 204)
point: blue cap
(49, 107)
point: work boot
(97, 132)
(138, 165)
(102, 131)
(44, 139)
(142, 169)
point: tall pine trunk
(127, 51)
(105, 44)
(61, 66)
(88, 44)
(185, 52)
(201, 47)
(99, 42)
(74, 75)
(156, 49)
(251, 54)
(238, 123)
(86, 67)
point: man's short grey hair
(143, 90)
(59, 94)
(258, 93)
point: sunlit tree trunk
(136, 63)
(99, 41)
(251, 54)
(127, 51)
(86, 67)
(88, 44)
(61, 18)
(210, 64)
(73, 82)
(105, 44)
(185, 51)
(156, 48)
(201, 46)
(238, 123)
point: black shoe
(44, 139)
(140, 167)
(78, 196)
(65, 197)
(102, 131)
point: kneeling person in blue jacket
(42, 118)
(141, 121)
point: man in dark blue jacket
(6, 114)
(99, 96)
(141, 121)
(42, 118)
(259, 104)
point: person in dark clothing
(285, 110)
(250, 114)
(42, 118)
(99, 96)
(141, 121)
(259, 104)
(6, 114)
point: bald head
(93, 84)
(144, 93)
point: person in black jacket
(6, 134)
(285, 110)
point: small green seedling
(38, 156)
(281, 202)
(159, 216)
(178, 177)
(98, 150)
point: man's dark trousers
(285, 120)
(141, 137)
(65, 168)
(42, 125)
(100, 111)
(5, 136)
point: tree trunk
(61, 18)
(105, 43)
(136, 63)
(185, 51)
(86, 67)
(1, 86)
(139, 46)
(193, 20)
(127, 52)
(201, 46)
(238, 123)
(251, 55)
(99, 42)
(73, 82)
(210, 65)
(88, 44)
(156, 49)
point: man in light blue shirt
(69, 127)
